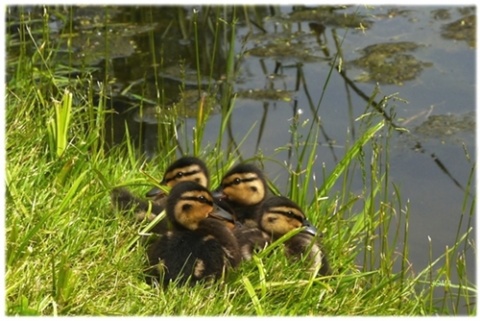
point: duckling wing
(250, 240)
(304, 244)
(123, 200)
(216, 231)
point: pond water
(432, 66)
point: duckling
(277, 216)
(187, 168)
(243, 188)
(280, 215)
(201, 246)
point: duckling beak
(220, 199)
(309, 228)
(154, 192)
(218, 194)
(221, 214)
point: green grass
(69, 253)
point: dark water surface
(433, 69)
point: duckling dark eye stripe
(193, 198)
(244, 180)
(296, 217)
(184, 174)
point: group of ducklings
(205, 233)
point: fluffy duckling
(280, 215)
(187, 168)
(201, 246)
(243, 188)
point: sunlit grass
(69, 253)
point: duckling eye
(290, 214)
(202, 199)
(237, 181)
(179, 175)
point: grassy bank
(69, 253)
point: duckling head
(189, 203)
(187, 168)
(244, 185)
(280, 215)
